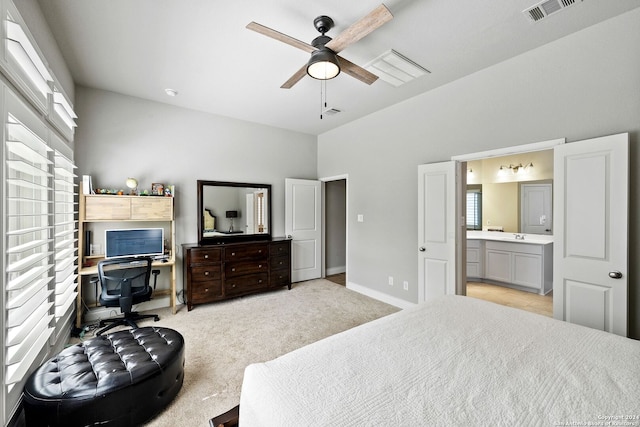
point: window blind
(64, 235)
(26, 56)
(474, 210)
(29, 256)
(38, 228)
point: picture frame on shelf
(157, 189)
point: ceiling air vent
(546, 8)
(395, 68)
(330, 112)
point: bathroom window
(474, 210)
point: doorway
(335, 240)
(512, 183)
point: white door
(441, 230)
(536, 208)
(303, 222)
(591, 224)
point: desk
(92, 270)
(131, 211)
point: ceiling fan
(325, 63)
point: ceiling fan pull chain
(321, 100)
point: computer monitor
(134, 242)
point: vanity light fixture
(519, 168)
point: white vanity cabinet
(521, 264)
(475, 259)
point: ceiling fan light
(323, 64)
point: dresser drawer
(280, 278)
(280, 249)
(201, 255)
(254, 251)
(280, 262)
(241, 268)
(203, 273)
(206, 292)
(243, 284)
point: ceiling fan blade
(356, 71)
(359, 29)
(295, 78)
(277, 35)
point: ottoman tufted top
(106, 363)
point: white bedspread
(453, 361)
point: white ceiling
(202, 49)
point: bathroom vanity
(520, 261)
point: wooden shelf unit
(96, 208)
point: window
(474, 210)
(38, 228)
(27, 65)
(65, 241)
(29, 258)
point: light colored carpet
(221, 339)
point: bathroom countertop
(536, 239)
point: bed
(452, 361)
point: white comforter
(453, 361)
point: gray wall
(583, 86)
(120, 137)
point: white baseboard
(98, 313)
(335, 270)
(397, 302)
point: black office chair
(125, 282)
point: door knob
(615, 275)
(422, 249)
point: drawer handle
(260, 281)
(233, 269)
(233, 254)
(259, 265)
(206, 289)
(281, 262)
(233, 285)
(206, 273)
(206, 256)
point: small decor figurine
(132, 183)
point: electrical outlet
(390, 280)
(405, 285)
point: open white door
(591, 232)
(441, 228)
(303, 222)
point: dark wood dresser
(217, 272)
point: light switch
(360, 218)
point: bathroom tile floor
(541, 304)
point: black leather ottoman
(121, 379)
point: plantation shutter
(38, 229)
(64, 236)
(29, 270)
(26, 63)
